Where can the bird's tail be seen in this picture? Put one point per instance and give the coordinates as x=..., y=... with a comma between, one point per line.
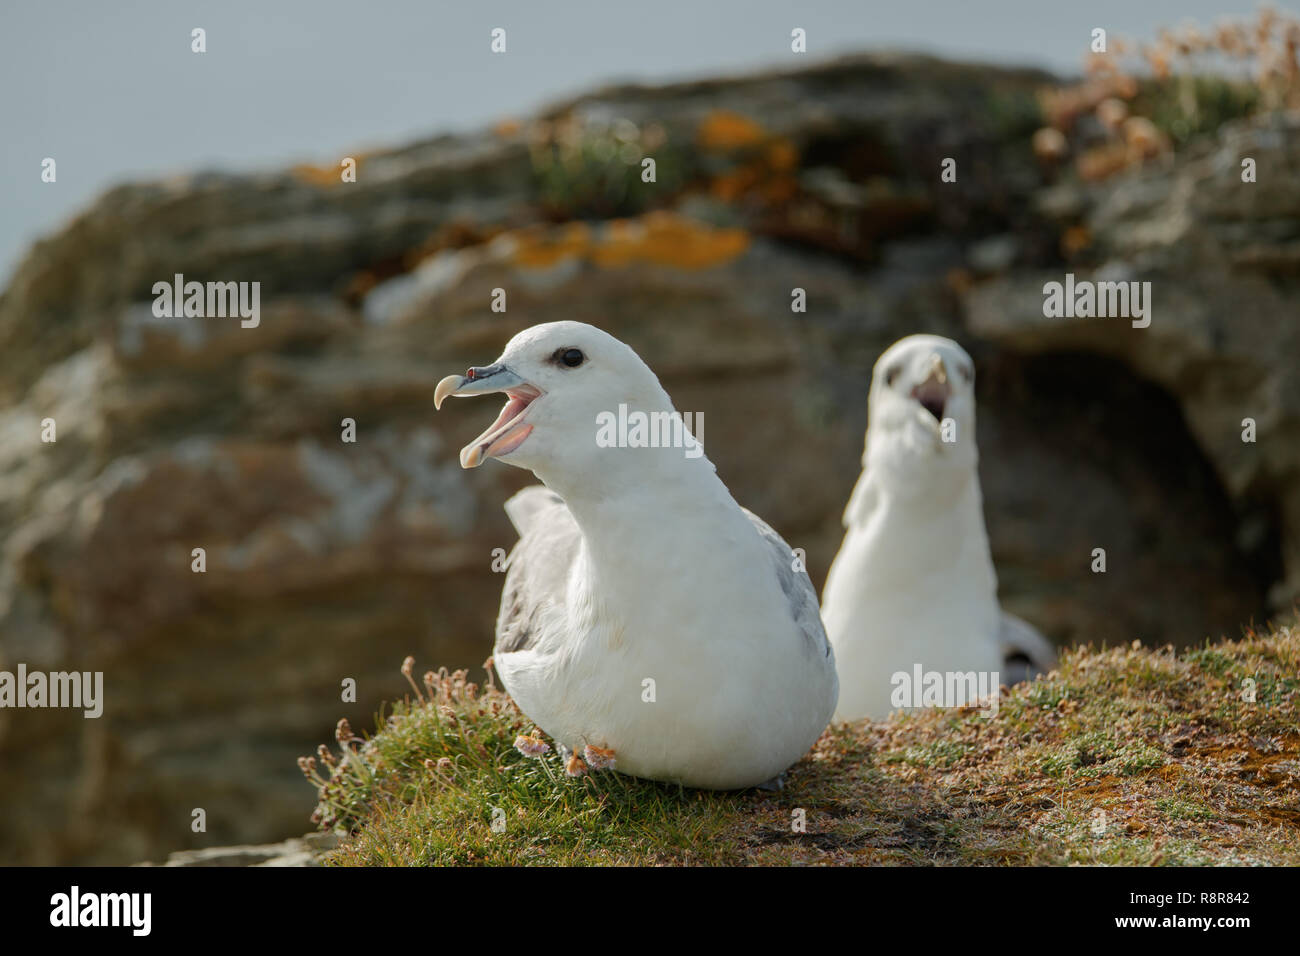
x=1026, y=653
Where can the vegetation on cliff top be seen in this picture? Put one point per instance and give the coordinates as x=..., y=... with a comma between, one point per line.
x=1121, y=756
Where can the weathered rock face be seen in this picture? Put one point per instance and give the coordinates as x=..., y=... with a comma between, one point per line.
x=1223, y=260
x=328, y=560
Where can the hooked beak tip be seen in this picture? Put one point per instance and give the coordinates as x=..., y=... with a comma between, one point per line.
x=447, y=386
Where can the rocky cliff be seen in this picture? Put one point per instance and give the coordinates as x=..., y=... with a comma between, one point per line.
x=328, y=559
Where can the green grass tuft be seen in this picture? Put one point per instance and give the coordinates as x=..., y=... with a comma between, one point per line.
x=1123, y=756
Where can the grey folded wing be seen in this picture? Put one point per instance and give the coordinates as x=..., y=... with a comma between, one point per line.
x=537, y=570
x=797, y=587
x=1026, y=654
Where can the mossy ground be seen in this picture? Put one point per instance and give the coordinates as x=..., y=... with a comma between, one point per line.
x=1121, y=756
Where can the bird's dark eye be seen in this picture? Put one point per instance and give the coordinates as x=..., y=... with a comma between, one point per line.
x=570, y=357
x=967, y=373
x=891, y=375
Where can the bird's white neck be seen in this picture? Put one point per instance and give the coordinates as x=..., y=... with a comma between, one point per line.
x=640, y=524
x=910, y=535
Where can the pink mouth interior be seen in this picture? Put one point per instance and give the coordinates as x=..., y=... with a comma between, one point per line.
x=933, y=397
x=505, y=434
x=514, y=408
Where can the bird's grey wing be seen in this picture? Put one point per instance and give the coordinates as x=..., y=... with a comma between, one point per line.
x=796, y=585
x=530, y=505
x=537, y=570
x=1025, y=653
x=862, y=501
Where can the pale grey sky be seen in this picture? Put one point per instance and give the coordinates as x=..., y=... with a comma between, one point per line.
x=112, y=92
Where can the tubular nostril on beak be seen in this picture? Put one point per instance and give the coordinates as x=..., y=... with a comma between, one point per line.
x=938, y=371
x=476, y=373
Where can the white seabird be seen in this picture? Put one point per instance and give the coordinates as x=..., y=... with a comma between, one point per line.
x=913, y=582
x=644, y=611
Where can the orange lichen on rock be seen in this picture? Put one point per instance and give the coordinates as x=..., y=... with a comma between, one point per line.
x=731, y=185
x=538, y=247
x=724, y=130
x=315, y=175
x=456, y=234
x=670, y=240
x=323, y=175
x=765, y=164
x=782, y=156
x=657, y=238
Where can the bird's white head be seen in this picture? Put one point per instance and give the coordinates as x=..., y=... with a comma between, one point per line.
x=921, y=413
x=563, y=380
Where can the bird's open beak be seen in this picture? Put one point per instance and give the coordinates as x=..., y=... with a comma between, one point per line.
x=506, y=433
x=934, y=392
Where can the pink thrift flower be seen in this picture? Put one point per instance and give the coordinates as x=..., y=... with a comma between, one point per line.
x=598, y=758
x=531, y=746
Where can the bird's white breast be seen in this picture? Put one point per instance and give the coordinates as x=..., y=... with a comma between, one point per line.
x=910, y=587
x=685, y=662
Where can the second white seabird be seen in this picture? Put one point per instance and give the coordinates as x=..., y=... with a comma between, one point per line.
x=913, y=583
